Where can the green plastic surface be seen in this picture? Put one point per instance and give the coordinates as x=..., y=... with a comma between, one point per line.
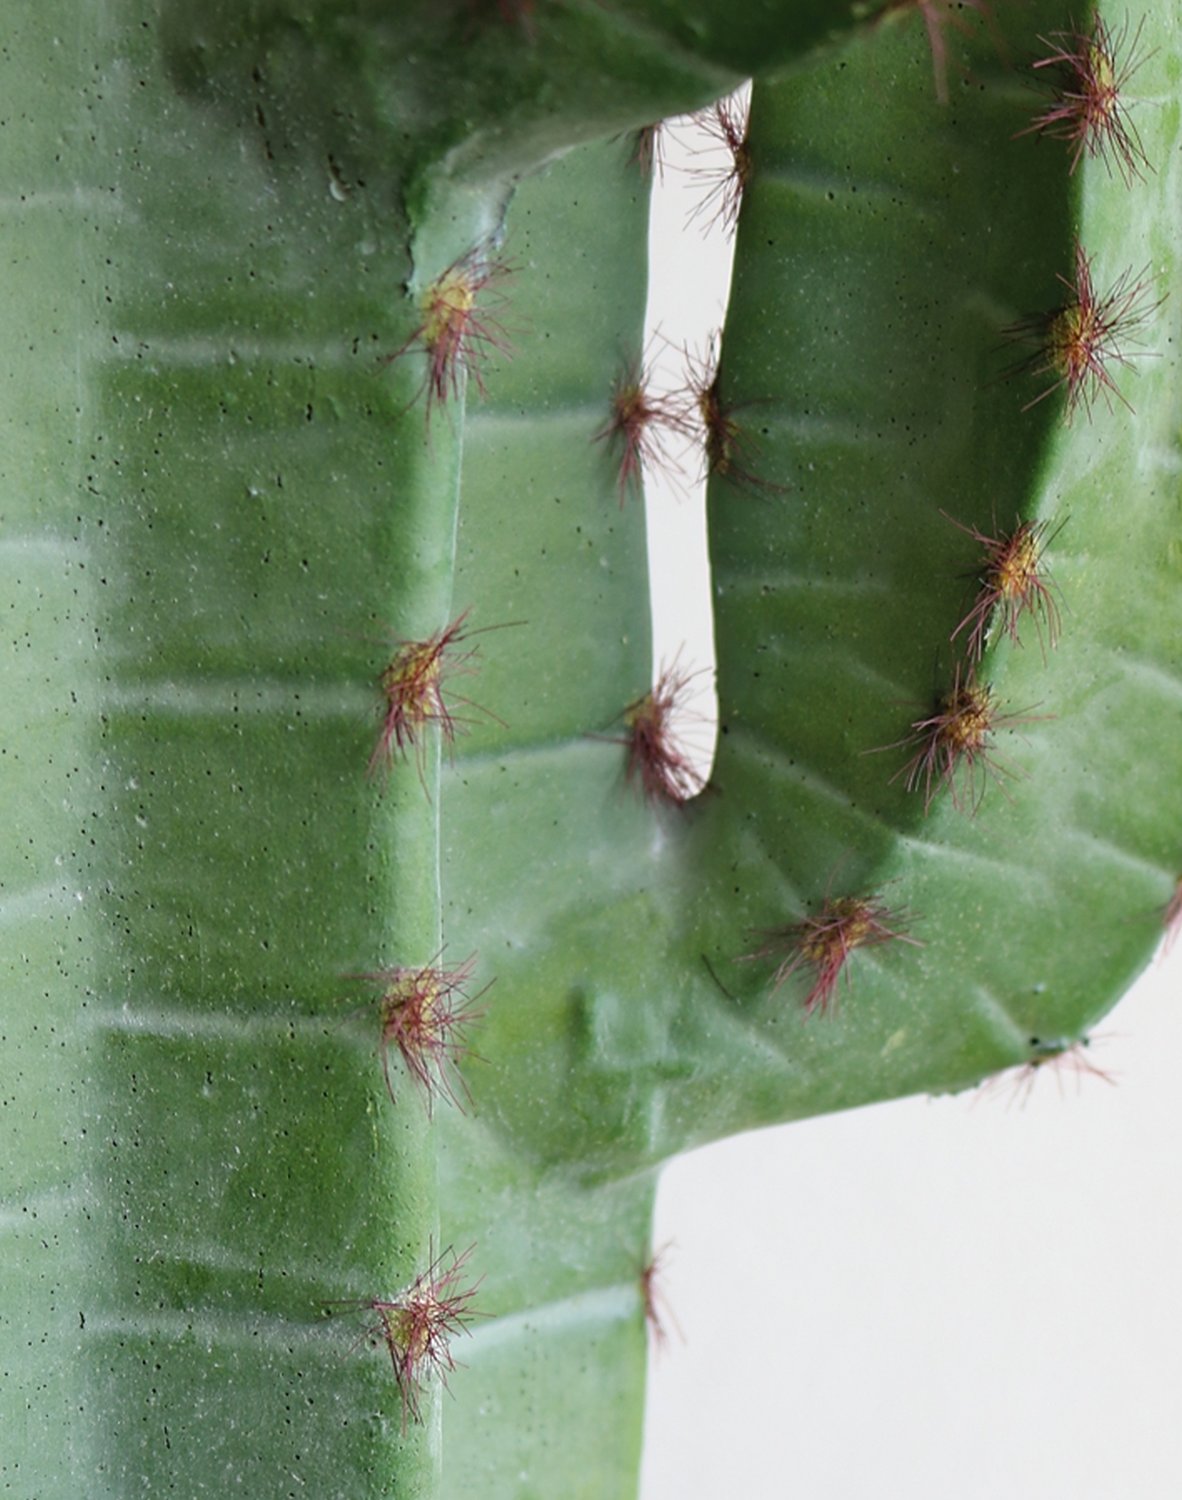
x=223, y=508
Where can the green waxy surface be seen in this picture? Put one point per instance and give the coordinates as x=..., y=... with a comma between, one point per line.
x=223, y=511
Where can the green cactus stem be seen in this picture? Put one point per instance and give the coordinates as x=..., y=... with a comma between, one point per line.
x=356, y=990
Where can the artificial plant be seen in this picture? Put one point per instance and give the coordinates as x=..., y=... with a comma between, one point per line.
x=355, y=990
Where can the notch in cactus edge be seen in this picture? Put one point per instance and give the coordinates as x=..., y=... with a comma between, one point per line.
x=1012, y=583
x=424, y=1013
x=1079, y=341
x=955, y=745
x=824, y=944
x=460, y=326
x=1087, y=73
x=418, y=1325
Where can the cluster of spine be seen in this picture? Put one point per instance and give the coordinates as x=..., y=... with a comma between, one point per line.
x=658, y=1314
x=659, y=763
x=823, y=943
x=1079, y=342
x=1059, y=1057
x=1076, y=347
x=698, y=408
x=422, y=1014
x=416, y=1327
x=460, y=327
x=952, y=744
x=644, y=423
x=424, y=1011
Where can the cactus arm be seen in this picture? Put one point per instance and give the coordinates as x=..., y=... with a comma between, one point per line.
x=560, y=1360
x=803, y=799
x=610, y=995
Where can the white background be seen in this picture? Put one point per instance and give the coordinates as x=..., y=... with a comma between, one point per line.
x=944, y=1299
x=970, y=1298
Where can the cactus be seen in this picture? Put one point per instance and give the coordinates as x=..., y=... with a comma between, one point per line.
x=357, y=990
